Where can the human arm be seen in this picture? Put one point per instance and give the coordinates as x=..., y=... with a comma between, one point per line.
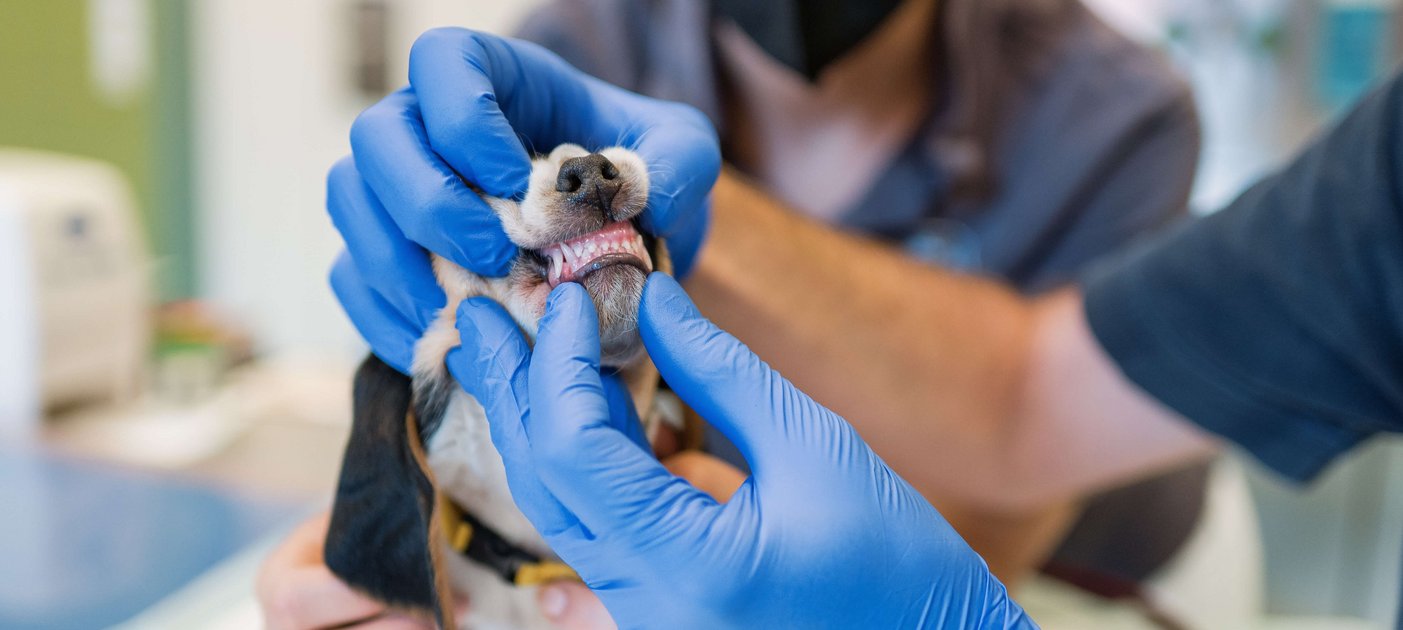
x=1273, y=323
x=976, y=394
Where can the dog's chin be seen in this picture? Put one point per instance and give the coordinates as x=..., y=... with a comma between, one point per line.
x=616, y=291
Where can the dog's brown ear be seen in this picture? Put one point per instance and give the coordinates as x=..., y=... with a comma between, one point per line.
x=662, y=259
x=384, y=538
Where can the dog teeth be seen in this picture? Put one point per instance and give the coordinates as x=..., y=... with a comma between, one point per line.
x=567, y=259
x=559, y=261
x=557, y=265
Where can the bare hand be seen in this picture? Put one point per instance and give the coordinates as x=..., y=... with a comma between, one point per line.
x=297, y=592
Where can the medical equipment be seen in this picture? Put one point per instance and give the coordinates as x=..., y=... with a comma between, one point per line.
x=74, y=291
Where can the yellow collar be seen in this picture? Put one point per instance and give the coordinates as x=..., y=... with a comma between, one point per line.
x=471, y=537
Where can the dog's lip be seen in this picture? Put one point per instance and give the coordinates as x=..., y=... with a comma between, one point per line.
x=616, y=243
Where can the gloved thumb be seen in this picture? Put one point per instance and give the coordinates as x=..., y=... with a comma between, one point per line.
x=491, y=365
x=720, y=377
x=612, y=484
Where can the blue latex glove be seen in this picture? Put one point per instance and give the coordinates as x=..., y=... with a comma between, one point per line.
x=473, y=99
x=822, y=534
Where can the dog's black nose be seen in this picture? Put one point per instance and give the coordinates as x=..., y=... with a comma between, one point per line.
x=584, y=173
x=592, y=178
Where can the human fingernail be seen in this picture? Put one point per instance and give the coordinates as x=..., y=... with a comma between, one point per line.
x=553, y=601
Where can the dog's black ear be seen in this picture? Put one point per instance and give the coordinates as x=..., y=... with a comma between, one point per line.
x=384, y=537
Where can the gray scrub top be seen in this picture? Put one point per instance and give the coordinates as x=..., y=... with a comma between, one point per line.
x=1100, y=147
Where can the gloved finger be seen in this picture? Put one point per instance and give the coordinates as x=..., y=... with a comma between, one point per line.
x=723, y=380
x=491, y=365
x=480, y=93
x=613, y=485
x=688, y=234
x=428, y=201
x=390, y=335
x=375, y=242
x=683, y=164
x=622, y=412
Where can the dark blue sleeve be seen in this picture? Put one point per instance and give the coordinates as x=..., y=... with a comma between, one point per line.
x=1277, y=322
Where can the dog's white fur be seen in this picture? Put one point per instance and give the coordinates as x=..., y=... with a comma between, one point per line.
x=460, y=453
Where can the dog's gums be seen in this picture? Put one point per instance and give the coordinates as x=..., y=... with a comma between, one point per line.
x=617, y=243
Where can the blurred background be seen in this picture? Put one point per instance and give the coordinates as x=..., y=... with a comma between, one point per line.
x=175, y=391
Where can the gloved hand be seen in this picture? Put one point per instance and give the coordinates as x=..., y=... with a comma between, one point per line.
x=823, y=533
x=473, y=98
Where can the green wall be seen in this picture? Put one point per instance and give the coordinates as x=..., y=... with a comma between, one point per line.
x=47, y=102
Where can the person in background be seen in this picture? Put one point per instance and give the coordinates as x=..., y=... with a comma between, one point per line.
x=1020, y=139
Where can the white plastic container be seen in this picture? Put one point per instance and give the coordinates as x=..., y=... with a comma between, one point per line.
x=75, y=297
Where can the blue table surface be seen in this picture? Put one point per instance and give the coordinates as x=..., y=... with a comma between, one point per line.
x=87, y=545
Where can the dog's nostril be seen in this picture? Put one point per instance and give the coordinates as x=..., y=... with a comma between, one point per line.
x=584, y=172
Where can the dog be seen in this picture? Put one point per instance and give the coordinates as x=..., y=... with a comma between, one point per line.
x=422, y=508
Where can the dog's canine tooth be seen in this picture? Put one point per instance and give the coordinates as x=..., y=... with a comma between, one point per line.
x=557, y=266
